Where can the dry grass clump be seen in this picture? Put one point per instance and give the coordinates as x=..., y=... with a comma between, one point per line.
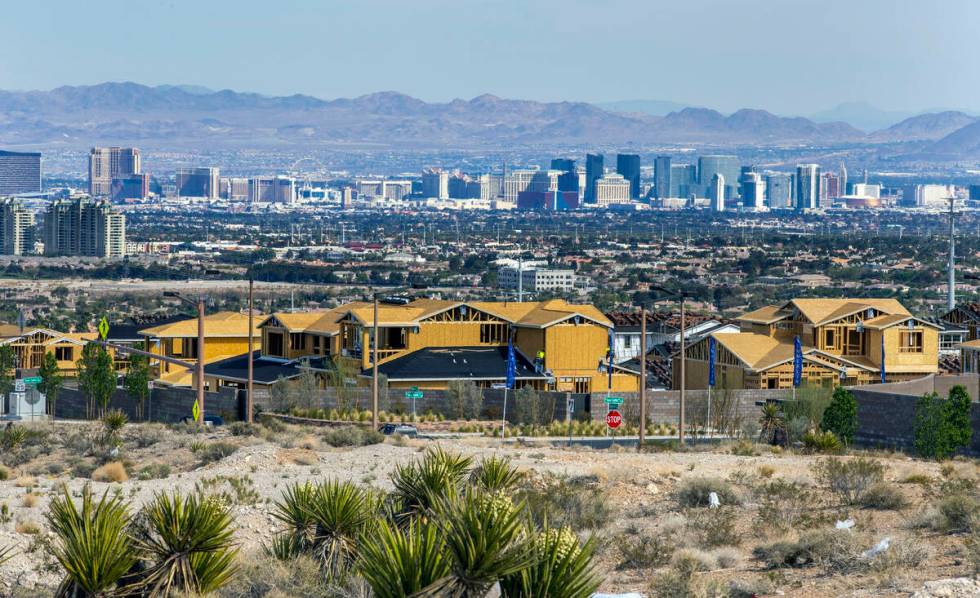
x=30, y=500
x=714, y=527
x=883, y=497
x=262, y=575
x=114, y=471
x=834, y=549
x=639, y=550
x=28, y=527
x=309, y=442
x=695, y=492
x=849, y=479
x=784, y=505
x=25, y=482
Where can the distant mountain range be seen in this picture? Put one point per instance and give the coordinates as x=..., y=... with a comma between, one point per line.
x=176, y=116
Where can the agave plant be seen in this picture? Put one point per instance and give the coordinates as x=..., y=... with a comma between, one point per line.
x=293, y=511
x=402, y=562
x=421, y=485
x=495, y=474
x=341, y=512
x=188, y=541
x=562, y=568
x=485, y=541
x=92, y=546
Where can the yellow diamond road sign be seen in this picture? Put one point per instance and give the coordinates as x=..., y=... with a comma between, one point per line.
x=196, y=411
x=103, y=328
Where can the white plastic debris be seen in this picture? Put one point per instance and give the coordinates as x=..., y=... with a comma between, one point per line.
x=879, y=548
x=846, y=524
x=713, y=501
x=114, y=452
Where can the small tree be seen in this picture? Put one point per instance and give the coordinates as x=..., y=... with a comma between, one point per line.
x=526, y=405
x=931, y=435
x=840, y=417
x=279, y=394
x=305, y=390
x=465, y=399
x=51, y=381
x=7, y=365
x=958, y=417
x=138, y=382
x=96, y=377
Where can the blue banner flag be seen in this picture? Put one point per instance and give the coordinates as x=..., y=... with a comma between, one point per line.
x=882, y=358
x=711, y=360
x=511, y=365
x=610, y=368
x=797, y=361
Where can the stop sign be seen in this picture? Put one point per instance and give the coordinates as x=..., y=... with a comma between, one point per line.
x=614, y=418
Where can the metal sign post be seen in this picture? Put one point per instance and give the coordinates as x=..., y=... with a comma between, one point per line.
x=414, y=394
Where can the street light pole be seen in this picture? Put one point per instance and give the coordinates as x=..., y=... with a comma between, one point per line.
x=680, y=428
x=248, y=399
x=200, y=355
x=643, y=377
x=374, y=368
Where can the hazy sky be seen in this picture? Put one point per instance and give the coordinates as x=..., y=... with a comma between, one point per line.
x=788, y=56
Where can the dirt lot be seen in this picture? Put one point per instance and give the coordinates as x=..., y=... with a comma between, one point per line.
x=634, y=510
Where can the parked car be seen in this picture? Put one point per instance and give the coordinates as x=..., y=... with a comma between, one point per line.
x=403, y=429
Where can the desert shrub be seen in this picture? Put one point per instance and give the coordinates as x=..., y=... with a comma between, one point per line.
x=883, y=496
x=579, y=503
x=784, y=504
x=903, y=554
x=528, y=409
x=680, y=581
x=232, y=490
x=113, y=422
x=465, y=399
x=27, y=527
x=942, y=426
x=835, y=549
x=213, y=451
x=241, y=428
x=745, y=448
x=4, y=473
x=796, y=428
x=352, y=436
x=849, y=479
x=113, y=471
x=149, y=434
x=826, y=443
x=639, y=550
x=973, y=548
x=714, y=527
x=958, y=512
x=153, y=471
x=82, y=468
x=12, y=437
x=695, y=492
x=840, y=417
x=917, y=478
x=29, y=500
x=263, y=576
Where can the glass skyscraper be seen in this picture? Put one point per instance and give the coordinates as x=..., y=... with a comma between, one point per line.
x=726, y=166
x=628, y=165
x=568, y=179
x=593, y=172
x=20, y=172
x=661, y=177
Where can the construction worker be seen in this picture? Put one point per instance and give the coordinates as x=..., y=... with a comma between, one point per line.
x=539, y=361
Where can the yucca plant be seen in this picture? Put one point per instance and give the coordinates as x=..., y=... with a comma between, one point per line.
x=485, y=542
x=112, y=424
x=92, y=546
x=6, y=554
x=341, y=512
x=561, y=568
x=402, y=562
x=495, y=474
x=299, y=526
x=188, y=542
x=770, y=422
x=421, y=485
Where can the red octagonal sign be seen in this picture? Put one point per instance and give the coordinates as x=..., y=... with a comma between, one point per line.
x=614, y=418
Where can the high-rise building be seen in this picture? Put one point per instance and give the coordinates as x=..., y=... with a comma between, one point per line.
x=661, y=177
x=130, y=186
x=108, y=163
x=435, y=183
x=866, y=189
x=842, y=180
x=346, y=198
x=780, y=191
x=82, y=226
x=198, y=182
x=568, y=179
x=926, y=196
x=593, y=171
x=753, y=190
x=717, y=192
x=628, y=165
x=683, y=180
x=16, y=228
x=519, y=181
x=272, y=189
x=807, y=186
x=612, y=189
x=233, y=188
x=20, y=172
x=727, y=166
x=829, y=188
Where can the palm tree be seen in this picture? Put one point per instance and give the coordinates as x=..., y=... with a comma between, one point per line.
x=562, y=568
x=92, y=544
x=421, y=485
x=398, y=563
x=189, y=543
x=485, y=541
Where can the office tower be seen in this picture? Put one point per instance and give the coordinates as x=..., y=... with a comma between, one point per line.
x=108, y=163
x=842, y=180
x=130, y=186
x=753, y=190
x=198, y=182
x=628, y=165
x=727, y=166
x=16, y=228
x=866, y=190
x=717, y=192
x=435, y=183
x=272, y=189
x=233, y=188
x=807, y=186
x=683, y=180
x=568, y=179
x=923, y=196
x=829, y=188
x=593, y=171
x=519, y=181
x=82, y=226
x=779, y=190
x=346, y=198
x=612, y=189
x=20, y=172
x=661, y=177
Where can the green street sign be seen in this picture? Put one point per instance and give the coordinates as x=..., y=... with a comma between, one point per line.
x=413, y=394
x=35, y=380
x=613, y=400
x=103, y=328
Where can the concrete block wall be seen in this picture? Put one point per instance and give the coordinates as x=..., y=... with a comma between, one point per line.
x=166, y=405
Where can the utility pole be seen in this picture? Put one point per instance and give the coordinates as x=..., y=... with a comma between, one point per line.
x=374, y=367
x=200, y=355
x=248, y=400
x=643, y=377
x=951, y=298
x=680, y=427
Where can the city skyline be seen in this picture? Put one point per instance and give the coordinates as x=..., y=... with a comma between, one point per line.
x=710, y=45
